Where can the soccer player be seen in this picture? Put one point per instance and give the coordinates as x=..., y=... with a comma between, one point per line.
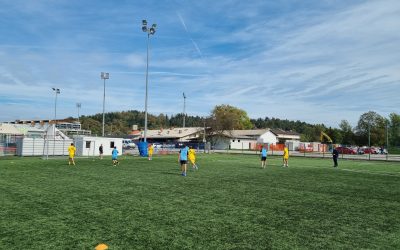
x=285, y=157
x=192, y=157
x=71, y=151
x=114, y=157
x=150, y=152
x=264, y=153
x=335, y=155
x=101, y=151
x=182, y=158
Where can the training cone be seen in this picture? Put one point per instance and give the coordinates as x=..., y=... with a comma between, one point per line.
x=101, y=246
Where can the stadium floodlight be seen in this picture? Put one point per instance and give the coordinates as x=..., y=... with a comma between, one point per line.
x=104, y=76
x=184, y=108
x=56, y=91
x=78, y=105
x=153, y=29
x=149, y=31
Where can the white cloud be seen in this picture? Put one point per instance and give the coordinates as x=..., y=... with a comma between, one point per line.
x=317, y=65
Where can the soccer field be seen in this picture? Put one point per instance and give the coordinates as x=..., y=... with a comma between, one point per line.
x=230, y=202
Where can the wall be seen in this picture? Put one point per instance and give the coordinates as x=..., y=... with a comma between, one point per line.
x=42, y=147
x=244, y=144
x=89, y=146
x=268, y=137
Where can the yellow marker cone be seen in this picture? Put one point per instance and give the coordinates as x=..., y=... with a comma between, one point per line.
x=101, y=246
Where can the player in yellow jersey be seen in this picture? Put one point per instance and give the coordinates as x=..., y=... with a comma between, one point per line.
x=285, y=157
x=150, y=152
x=192, y=157
x=71, y=151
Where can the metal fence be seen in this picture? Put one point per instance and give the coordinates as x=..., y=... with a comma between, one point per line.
x=318, y=151
x=8, y=144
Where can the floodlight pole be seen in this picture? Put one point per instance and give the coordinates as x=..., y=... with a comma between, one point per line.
x=149, y=31
x=387, y=139
x=104, y=76
x=369, y=140
x=184, y=108
x=78, y=105
x=204, y=134
x=57, y=91
x=147, y=83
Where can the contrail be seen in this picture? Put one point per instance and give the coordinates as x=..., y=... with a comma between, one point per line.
x=187, y=32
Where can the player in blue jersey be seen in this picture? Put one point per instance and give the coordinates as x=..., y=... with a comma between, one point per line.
x=183, y=158
x=114, y=156
x=264, y=152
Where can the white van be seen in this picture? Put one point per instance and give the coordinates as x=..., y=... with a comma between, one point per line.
x=128, y=143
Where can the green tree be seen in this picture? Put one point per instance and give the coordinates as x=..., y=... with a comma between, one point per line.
x=373, y=124
x=394, y=129
x=347, y=134
x=227, y=118
x=335, y=134
x=91, y=124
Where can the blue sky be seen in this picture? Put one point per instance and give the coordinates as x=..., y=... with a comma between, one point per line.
x=316, y=61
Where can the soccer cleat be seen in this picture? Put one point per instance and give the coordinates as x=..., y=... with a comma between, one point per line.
x=183, y=174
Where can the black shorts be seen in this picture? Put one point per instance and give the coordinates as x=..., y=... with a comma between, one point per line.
x=264, y=158
x=183, y=162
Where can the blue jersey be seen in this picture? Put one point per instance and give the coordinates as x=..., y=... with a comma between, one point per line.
x=183, y=154
x=114, y=153
x=264, y=152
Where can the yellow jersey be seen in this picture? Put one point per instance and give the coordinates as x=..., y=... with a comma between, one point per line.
x=151, y=148
x=286, y=153
x=71, y=151
x=192, y=154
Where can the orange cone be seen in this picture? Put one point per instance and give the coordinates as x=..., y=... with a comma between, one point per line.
x=101, y=246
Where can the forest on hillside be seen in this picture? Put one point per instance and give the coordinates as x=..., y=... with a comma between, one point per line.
x=370, y=125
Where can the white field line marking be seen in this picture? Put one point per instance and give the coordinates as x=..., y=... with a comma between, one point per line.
x=362, y=171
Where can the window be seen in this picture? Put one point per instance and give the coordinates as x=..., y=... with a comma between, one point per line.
x=88, y=144
x=112, y=144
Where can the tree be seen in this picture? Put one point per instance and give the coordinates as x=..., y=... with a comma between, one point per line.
x=335, y=134
x=394, y=129
x=91, y=124
x=347, y=134
x=227, y=118
x=373, y=124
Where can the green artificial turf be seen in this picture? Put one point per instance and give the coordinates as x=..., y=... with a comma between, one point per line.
x=229, y=203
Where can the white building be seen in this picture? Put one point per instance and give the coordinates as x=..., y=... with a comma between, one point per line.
x=9, y=129
x=70, y=128
x=175, y=134
x=35, y=142
x=249, y=139
x=268, y=138
x=245, y=139
x=89, y=145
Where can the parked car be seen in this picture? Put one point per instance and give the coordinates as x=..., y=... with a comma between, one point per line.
x=371, y=150
x=128, y=143
x=346, y=150
x=360, y=151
